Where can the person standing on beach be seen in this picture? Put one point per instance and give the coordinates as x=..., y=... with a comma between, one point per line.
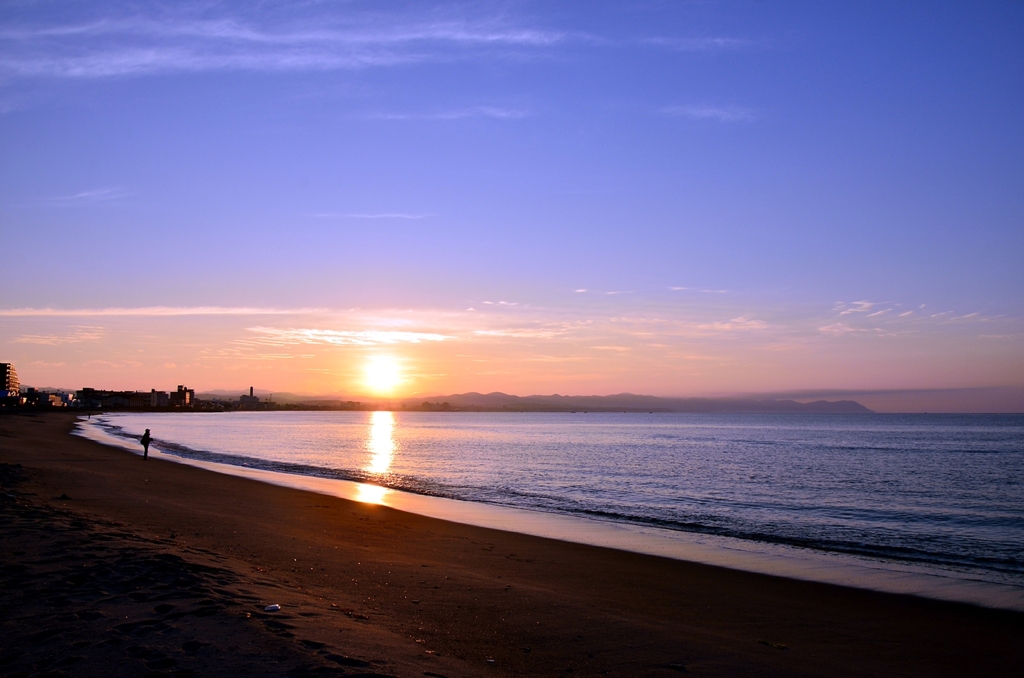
x=145, y=444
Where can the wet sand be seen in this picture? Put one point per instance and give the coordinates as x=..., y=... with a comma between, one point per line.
x=113, y=565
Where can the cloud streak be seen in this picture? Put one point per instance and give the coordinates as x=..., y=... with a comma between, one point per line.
x=696, y=44
x=77, y=335
x=740, y=324
x=93, y=195
x=458, y=114
x=368, y=215
x=123, y=39
x=290, y=336
x=711, y=113
x=237, y=31
x=855, y=307
x=520, y=333
x=150, y=311
x=181, y=42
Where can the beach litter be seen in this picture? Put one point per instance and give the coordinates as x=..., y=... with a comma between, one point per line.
x=777, y=646
x=272, y=608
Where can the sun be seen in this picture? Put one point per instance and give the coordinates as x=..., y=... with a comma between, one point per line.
x=382, y=374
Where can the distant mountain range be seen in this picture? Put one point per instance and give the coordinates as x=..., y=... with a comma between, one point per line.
x=500, y=402
x=627, y=402
x=620, y=402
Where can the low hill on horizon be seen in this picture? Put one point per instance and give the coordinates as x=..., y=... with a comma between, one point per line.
x=618, y=402
x=630, y=402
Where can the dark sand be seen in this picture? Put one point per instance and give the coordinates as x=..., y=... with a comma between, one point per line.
x=156, y=568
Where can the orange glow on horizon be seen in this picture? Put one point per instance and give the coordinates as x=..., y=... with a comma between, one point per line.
x=700, y=351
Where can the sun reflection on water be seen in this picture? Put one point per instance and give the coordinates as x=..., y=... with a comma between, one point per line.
x=380, y=442
x=371, y=494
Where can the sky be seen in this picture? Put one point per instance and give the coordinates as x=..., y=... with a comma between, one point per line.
x=667, y=198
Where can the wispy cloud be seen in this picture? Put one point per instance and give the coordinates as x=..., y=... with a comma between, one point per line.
x=75, y=335
x=93, y=195
x=46, y=364
x=290, y=336
x=854, y=307
x=458, y=114
x=696, y=44
x=162, y=40
x=149, y=311
x=734, y=325
x=840, y=329
x=368, y=215
x=713, y=113
x=885, y=319
x=698, y=289
x=520, y=333
x=115, y=364
x=119, y=39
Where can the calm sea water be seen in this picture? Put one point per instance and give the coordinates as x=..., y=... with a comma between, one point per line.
x=940, y=490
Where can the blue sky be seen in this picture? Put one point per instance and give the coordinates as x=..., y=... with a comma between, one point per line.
x=753, y=169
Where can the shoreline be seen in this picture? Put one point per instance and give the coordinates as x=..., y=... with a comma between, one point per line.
x=873, y=574
x=434, y=597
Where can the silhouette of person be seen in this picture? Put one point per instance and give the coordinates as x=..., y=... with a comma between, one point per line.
x=145, y=444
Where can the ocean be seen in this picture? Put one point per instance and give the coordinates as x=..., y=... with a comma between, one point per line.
x=926, y=493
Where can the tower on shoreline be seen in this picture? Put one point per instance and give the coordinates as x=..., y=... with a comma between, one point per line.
x=251, y=400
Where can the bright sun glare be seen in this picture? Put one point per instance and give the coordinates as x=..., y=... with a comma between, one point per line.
x=383, y=374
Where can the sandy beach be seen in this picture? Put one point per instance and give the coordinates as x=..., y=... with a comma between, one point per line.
x=116, y=566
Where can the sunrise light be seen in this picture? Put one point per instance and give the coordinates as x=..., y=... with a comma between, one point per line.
x=655, y=336
x=382, y=374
